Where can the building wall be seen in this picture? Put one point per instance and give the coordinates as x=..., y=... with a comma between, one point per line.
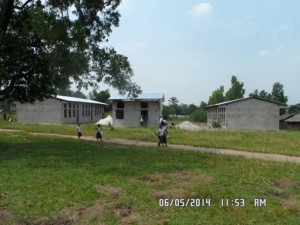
x=77, y=112
x=55, y=111
x=132, y=113
x=48, y=111
x=250, y=114
x=293, y=126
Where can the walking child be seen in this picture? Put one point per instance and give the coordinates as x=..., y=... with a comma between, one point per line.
x=78, y=129
x=99, y=133
x=162, y=136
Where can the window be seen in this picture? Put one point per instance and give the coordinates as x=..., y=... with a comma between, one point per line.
x=65, y=110
x=221, y=114
x=119, y=114
x=144, y=105
x=120, y=105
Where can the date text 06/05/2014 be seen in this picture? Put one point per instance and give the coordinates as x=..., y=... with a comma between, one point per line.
x=201, y=202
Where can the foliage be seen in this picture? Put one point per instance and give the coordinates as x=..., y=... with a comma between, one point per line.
x=102, y=96
x=167, y=111
x=294, y=109
x=46, y=44
x=236, y=91
x=217, y=96
x=277, y=94
x=173, y=101
x=200, y=114
x=261, y=94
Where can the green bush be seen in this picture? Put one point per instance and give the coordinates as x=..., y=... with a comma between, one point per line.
x=199, y=115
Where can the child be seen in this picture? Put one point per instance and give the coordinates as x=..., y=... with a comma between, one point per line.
x=161, y=135
x=99, y=133
x=78, y=129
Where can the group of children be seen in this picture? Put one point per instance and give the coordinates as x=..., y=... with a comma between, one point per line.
x=162, y=133
x=99, y=132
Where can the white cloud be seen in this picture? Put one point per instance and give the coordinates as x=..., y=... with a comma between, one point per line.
x=263, y=53
x=201, y=9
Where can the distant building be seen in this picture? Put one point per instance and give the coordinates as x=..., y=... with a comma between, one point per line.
x=252, y=113
x=282, y=120
x=128, y=111
x=60, y=110
x=293, y=123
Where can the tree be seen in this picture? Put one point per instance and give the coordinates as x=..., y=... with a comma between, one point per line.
x=102, y=96
x=254, y=93
x=173, y=101
x=217, y=96
x=261, y=94
x=265, y=95
x=294, y=109
x=191, y=109
x=44, y=45
x=167, y=111
x=200, y=114
x=236, y=91
x=278, y=93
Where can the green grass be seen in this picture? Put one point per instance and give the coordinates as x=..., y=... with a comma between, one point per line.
x=279, y=142
x=41, y=176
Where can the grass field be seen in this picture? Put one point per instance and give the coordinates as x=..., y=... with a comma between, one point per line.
x=280, y=142
x=55, y=179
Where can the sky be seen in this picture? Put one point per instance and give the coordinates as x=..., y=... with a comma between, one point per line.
x=188, y=48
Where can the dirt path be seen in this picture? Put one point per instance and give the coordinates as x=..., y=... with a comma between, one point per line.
x=254, y=155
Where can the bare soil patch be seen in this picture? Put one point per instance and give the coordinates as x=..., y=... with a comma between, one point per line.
x=285, y=183
x=136, y=218
x=289, y=200
x=5, y=216
x=108, y=190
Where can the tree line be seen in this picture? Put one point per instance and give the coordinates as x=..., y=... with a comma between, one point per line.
x=236, y=91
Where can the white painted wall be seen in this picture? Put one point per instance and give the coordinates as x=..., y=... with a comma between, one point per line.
x=132, y=113
x=52, y=111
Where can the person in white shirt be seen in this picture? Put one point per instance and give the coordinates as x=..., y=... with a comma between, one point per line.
x=78, y=129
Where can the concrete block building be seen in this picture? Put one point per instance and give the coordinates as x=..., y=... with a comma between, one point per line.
x=128, y=111
x=252, y=113
x=60, y=110
x=293, y=123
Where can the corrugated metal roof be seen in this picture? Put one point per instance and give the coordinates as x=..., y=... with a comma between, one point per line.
x=73, y=99
x=243, y=99
x=294, y=119
x=142, y=96
x=286, y=116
